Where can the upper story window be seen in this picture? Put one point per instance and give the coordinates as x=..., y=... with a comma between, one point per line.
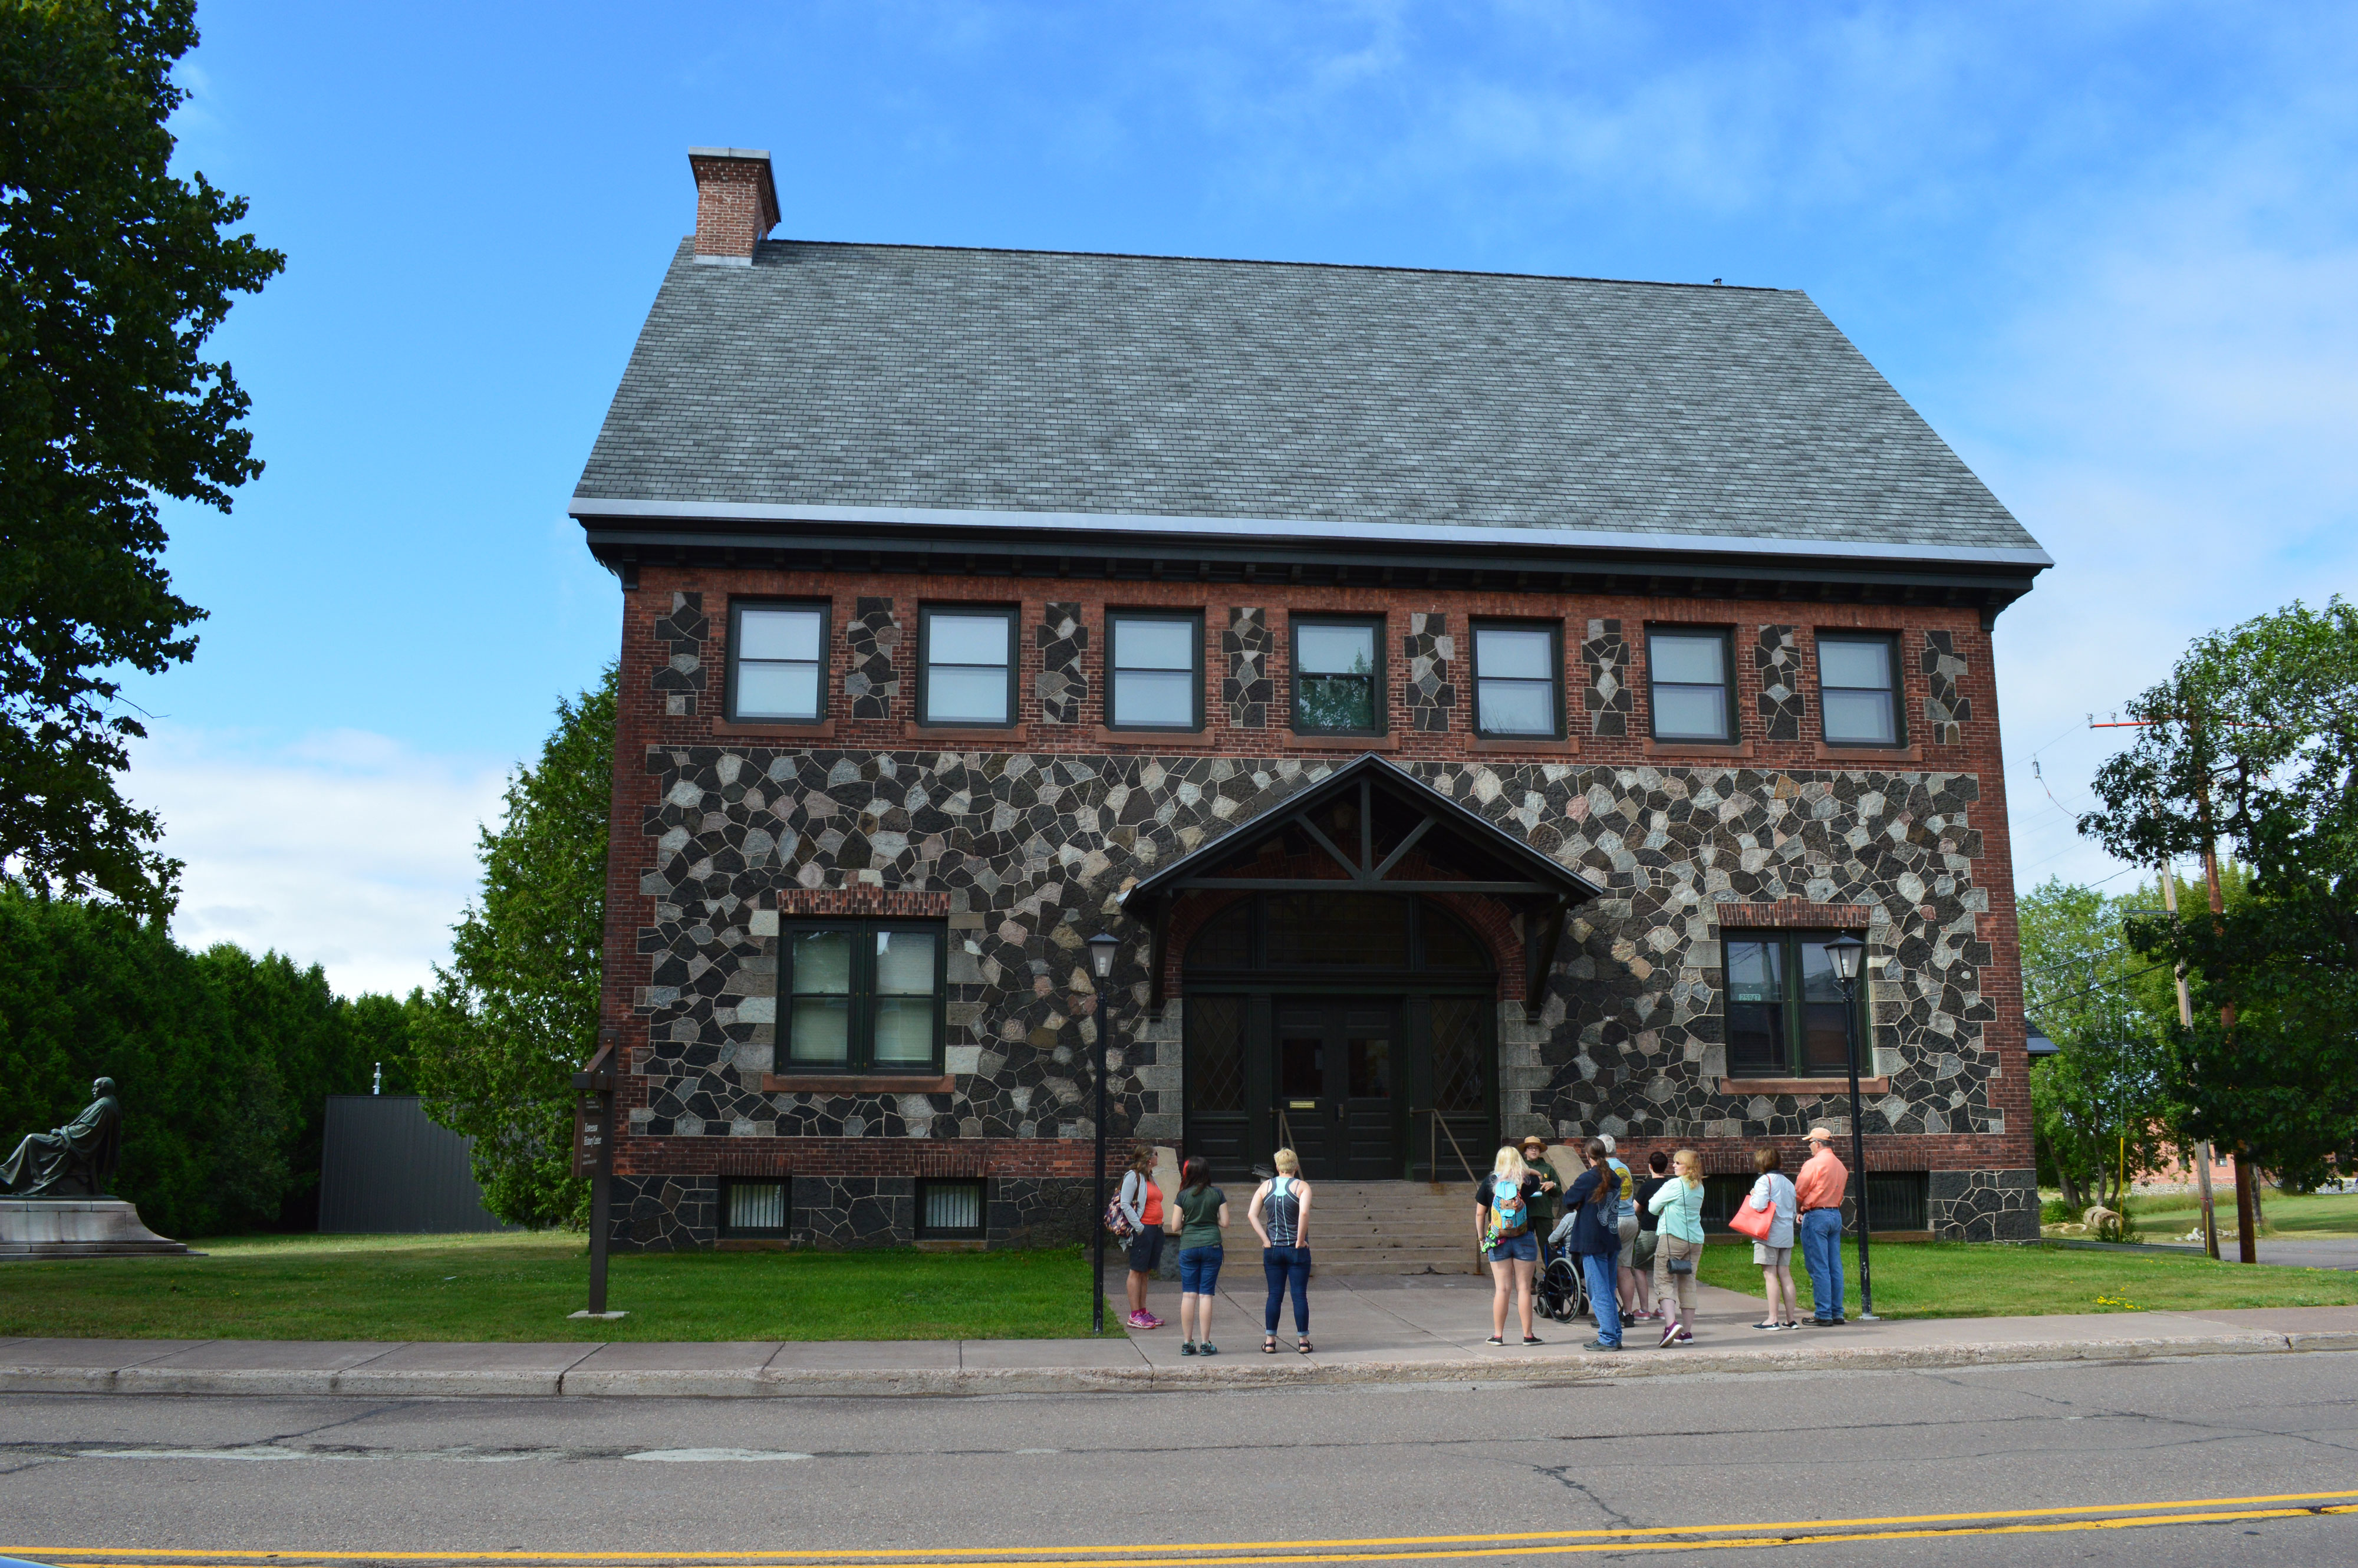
x=1157, y=664
x=1692, y=684
x=1517, y=679
x=864, y=996
x=1785, y=1009
x=1338, y=675
x=1858, y=689
x=967, y=665
x=777, y=662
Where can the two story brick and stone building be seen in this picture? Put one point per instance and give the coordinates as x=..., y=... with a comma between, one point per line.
x=1471, y=700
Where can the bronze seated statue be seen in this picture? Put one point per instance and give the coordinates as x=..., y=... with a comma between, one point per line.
x=77, y=1160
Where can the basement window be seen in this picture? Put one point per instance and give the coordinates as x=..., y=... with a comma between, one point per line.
x=949, y=1210
x=752, y=1208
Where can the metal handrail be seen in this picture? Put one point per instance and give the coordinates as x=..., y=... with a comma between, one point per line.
x=1441, y=1127
x=1284, y=1130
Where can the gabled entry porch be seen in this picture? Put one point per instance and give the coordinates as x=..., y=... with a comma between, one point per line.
x=1343, y=956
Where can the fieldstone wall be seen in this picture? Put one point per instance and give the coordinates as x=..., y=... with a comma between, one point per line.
x=1029, y=850
x=1429, y=692
x=664, y=1213
x=873, y=680
x=843, y=1213
x=1061, y=686
x=1779, y=661
x=1605, y=693
x=1247, y=689
x=1946, y=711
x=679, y=673
x=1984, y=1205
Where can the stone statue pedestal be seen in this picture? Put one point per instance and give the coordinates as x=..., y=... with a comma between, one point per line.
x=34, y=1230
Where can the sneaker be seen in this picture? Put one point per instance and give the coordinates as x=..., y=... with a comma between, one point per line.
x=1152, y=1321
x=1685, y=1337
x=1188, y=1348
x=1143, y=1320
x=1669, y=1334
x=1599, y=1344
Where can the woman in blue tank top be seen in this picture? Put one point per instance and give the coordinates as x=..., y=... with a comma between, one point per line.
x=1279, y=1214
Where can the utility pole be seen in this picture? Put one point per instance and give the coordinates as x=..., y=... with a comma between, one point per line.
x=2186, y=1021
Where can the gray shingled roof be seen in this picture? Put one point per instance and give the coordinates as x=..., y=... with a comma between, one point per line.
x=892, y=376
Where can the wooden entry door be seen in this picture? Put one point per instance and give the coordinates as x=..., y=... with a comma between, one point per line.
x=1339, y=1065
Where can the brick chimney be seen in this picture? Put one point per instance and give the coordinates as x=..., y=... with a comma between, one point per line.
x=736, y=203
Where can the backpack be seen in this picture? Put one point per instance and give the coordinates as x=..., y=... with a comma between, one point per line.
x=1508, y=1215
x=1117, y=1219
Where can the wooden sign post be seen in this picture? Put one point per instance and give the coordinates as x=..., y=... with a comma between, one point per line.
x=593, y=1156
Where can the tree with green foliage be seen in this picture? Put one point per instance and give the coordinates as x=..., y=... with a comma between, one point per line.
x=2252, y=741
x=2098, y=1103
x=223, y=1060
x=116, y=272
x=516, y=1014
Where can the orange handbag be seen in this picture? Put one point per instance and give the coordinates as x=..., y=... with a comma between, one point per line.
x=1757, y=1223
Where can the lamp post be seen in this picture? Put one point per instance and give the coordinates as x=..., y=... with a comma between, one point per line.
x=1102, y=948
x=1845, y=952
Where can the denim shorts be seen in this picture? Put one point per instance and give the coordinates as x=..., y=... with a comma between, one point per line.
x=1199, y=1269
x=1146, y=1250
x=1523, y=1248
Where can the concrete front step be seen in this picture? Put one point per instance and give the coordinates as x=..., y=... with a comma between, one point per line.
x=1437, y=1261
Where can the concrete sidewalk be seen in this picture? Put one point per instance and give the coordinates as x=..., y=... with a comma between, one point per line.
x=1425, y=1329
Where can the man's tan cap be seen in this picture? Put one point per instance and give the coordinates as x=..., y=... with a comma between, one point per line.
x=1816, y=1133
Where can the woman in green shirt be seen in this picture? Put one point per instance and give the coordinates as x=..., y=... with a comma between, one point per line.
x=1203, y=1214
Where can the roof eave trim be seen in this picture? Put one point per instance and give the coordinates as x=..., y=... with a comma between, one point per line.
x=1280, y=530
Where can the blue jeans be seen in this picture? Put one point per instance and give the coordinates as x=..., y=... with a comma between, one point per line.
x=1822, y=1252
x=1282, y=1266
x=1602, y=1268
x=1199, y=1269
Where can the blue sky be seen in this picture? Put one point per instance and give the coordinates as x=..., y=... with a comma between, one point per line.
x=2111, y=252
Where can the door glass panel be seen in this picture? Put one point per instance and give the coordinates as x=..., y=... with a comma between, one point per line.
x=1371, y=1069
x=1216, y=1060
x=1301, y=1066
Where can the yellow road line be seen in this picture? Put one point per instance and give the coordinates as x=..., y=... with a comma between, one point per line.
x=1722, y=1543
x=2121, y=1515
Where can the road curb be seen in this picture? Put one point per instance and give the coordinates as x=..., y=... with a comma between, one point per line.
x=889, y=1383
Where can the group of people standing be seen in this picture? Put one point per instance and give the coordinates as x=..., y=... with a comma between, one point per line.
x=1616, y=1227
x=1636, y=1240
x=1278, y=1212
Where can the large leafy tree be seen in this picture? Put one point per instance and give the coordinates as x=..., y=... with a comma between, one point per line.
x=495, y=1048
x=113, y=274
x=2253, y=744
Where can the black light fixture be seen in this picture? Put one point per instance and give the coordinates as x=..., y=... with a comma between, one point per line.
x=1102, y=948
x=1846, y=953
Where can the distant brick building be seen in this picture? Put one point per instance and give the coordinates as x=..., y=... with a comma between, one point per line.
x=1471, y=699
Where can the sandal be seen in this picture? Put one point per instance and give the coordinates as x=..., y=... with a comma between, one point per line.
x=1302, y=1348
x=1269, y=1345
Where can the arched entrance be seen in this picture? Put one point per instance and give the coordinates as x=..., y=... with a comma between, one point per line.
x=1342, y=1024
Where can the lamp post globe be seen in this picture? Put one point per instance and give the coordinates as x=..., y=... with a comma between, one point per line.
x=1102, y=948
x=1846, y=953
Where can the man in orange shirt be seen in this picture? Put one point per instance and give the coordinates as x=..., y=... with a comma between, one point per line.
x=1818, y=1194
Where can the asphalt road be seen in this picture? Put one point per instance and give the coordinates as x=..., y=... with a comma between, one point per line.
x=1166, y=1479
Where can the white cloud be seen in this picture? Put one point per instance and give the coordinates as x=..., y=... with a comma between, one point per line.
x=344, y=849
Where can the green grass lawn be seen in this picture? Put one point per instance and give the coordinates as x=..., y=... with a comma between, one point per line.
x=1954, y=1279
x=2171, y=1214
x=518, y=1286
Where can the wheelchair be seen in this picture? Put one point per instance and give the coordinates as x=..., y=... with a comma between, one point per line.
x=1560, y=1291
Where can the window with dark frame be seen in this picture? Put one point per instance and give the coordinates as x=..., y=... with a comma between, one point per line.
x=949, y=1209
x=864, y=996
x=1338, y=675
x=1858, y=689
x=753, y=1207
x=967, y=665
x=1519, y=679
x=1156, y=660
x=1785, y=1008
x=777, y=663
x=1692, y=684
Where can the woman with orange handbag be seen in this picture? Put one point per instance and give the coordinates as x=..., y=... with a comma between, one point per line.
x=1772, y=1200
